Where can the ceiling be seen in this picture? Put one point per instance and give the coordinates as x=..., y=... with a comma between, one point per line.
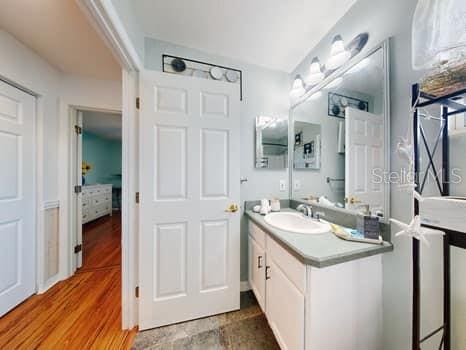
x=276, y=34
x=60, y=33
x=105, y=125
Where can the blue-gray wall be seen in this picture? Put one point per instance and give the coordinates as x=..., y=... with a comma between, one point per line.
x=383, y=19
x=105, y=158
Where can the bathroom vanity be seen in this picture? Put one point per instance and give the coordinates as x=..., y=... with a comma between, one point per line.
x=317, y=291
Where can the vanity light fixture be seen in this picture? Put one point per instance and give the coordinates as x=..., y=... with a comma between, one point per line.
x=338, y=54
x=315, y=72
x=298, y=88
x=334, y=83
x=315, y=95
x=360, y=66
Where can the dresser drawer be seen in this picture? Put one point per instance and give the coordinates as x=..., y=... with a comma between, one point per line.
x=102, y=207
x=86, y=202
x=99, y=199
x=85, y=215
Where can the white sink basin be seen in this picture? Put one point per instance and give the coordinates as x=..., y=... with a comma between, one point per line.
x=296, y=222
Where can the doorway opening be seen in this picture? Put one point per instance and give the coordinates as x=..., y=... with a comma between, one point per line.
x=98, y=170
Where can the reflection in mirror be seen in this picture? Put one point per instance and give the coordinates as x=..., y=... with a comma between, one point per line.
x=271, y=142
x=306, y=153
x=351, y=116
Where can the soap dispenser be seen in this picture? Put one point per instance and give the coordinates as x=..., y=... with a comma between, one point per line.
x=265, y=206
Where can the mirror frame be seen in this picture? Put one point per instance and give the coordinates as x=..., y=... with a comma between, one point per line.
x=385, y=47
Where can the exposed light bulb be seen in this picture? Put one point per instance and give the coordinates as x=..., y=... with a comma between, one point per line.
x=297, y=90
x=338, y=54
x=315, y=72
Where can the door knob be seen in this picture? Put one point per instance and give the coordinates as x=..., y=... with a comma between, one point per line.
x=232, y=208
x=352, y=200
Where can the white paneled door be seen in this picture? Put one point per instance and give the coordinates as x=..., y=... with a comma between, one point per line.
x=189, y=187
x=17, y=229
x=365, y=150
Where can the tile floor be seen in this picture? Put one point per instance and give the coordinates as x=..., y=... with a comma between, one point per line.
x=243, y=329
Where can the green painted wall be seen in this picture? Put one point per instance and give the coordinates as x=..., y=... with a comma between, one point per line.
x=105, y=157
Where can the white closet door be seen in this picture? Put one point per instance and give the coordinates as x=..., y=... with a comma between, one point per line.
x=364, y=160
x=17, y=228
x=189, y=175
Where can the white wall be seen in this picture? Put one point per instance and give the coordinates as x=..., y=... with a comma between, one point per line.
x=125, y=12
x=87, y=92
x=23, y=67
x=265, y=92
x=20, y=65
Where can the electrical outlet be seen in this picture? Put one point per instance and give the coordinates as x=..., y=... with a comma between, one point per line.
x=282, y=185
x=297, y=185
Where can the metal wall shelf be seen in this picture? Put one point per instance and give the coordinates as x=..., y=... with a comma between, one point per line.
x=449, y=106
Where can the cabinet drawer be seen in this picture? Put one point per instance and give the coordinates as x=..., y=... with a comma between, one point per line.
x=85, y=203
x=292, y=267
x=257, y=234
x=102, y=207
x=101, y=198
x=85, y=216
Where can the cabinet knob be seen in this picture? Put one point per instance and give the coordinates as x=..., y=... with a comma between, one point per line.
x=259, y=265
x=267, y=277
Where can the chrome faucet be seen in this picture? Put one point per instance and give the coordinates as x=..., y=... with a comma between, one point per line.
x=307, y=210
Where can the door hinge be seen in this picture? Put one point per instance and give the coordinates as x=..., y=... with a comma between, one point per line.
x=78, y=189
x=138, y=102
x=137, y=197
x=78, y=129
x=78, y=248
x=136, y=292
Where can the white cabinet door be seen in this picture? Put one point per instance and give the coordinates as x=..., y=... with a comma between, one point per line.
x=189, y=175
x=285, y=308
x=17, y=225
x=257, y=271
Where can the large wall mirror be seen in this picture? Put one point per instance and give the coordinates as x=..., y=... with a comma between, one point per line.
x=271, y=142
x=341, y=136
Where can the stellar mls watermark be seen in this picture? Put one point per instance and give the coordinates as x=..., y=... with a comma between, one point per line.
x=406, y=177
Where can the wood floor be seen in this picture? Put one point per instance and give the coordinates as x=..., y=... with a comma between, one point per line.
x=83, y=312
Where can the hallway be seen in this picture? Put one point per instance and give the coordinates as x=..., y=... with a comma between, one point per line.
x=83, y=312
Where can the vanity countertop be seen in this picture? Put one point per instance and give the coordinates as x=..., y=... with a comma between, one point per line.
x=319, y=250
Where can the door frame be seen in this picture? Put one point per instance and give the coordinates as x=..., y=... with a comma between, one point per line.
x=104, y=17
x=74, y=172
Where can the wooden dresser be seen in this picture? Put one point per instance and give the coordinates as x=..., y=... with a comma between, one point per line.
x=97, y=201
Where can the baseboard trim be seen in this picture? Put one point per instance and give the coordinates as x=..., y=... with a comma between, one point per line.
x=244, y=286
x=42, y=288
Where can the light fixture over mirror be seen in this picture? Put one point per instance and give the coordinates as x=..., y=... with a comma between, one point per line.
x=339, y=55
x=315, y=72
x=319, y=73
x=297, y=90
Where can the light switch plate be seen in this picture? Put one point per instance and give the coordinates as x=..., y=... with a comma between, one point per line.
x=282, y=185
x=297, y=185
